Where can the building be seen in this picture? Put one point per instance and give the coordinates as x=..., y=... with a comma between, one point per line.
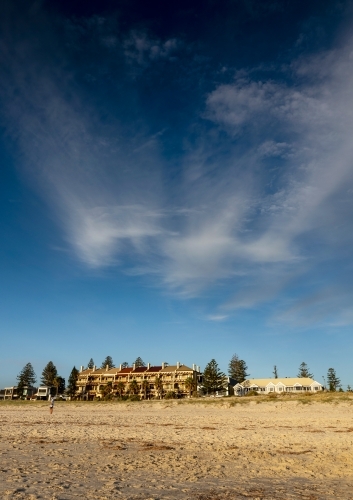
x=10, y=392
x=151, y=381
x=45, y=392
x=278, y=385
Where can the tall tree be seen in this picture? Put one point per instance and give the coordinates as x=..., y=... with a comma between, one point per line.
x=120, y=387
x=145, y=387
x=108, y=361
x=190, y=385
x=332, y=379
x=125, y=364
x=26, y=377
x=59, y=383
x=237, y=369
x=275, y=372
x=72, y=383
x=213, y=378
x=304, y=371
x=49, y=374
x=90, y=364
x=139, y=362
x=133, y=387
x=158, y=384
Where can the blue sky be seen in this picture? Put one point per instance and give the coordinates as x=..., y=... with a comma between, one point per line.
x=176, y=184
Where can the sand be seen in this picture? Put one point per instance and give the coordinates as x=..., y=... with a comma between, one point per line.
x=277, y=449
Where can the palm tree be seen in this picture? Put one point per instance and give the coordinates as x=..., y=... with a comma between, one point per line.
x=106, y=389
x=158, y=386
x=120, y=387
x=190, y=385
x=133, y=387
x=145, y=387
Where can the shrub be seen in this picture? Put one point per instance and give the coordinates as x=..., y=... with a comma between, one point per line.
x=134, y=397
x=272, y=395
x=251, y=393
x=170, y=395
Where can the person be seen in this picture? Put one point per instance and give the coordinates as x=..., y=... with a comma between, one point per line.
x=51, y=406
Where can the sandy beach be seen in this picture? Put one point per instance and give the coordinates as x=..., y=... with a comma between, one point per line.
x=222, y=449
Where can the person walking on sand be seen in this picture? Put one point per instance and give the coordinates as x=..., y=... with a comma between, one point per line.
x=51, y=406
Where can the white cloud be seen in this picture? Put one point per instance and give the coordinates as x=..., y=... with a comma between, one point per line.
x=230, y=218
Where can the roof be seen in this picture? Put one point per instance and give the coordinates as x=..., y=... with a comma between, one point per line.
x=173, y=368
x=125, y=370
x=140, y=369
x=262, y=382
x=154, y=369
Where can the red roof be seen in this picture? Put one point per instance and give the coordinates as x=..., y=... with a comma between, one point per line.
x=125, y=370
x=140, y=369
x=154, y=369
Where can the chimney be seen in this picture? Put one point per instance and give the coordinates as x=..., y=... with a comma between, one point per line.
x=94, y=368
x=194, y=367
x=106, y=368
x=178, y=364
x=133, y=366
x=81, y=368
x=198, y=368
x=163, y=365
x=120, y=367
x=148, y=366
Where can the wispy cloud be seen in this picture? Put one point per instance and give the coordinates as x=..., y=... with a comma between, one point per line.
x=262, y=198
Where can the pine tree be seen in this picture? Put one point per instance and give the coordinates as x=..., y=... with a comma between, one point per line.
x=139, y=362
x=59, y=383
x=304, y=371
x=213, y=378
x=332, y=379
x=125, y=364
x=108, y=361
x=26, y=377
x=275, y=372
x=237, y=369
x=72, y=383
x=90, y=364
x=49, y=374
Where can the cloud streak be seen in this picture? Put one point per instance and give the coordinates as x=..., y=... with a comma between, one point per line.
x=263, y=199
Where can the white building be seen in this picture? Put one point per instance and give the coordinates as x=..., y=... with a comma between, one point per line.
x=278, y=385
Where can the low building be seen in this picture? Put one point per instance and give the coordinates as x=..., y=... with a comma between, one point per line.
x=278, y=385
x=95, y=383
x=11, y=392
x=45, y=392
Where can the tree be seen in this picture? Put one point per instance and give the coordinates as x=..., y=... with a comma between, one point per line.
x=133, y=387
x=304, y=371
x=332, y=379
x=26, y=377
x=237, y=369
x=59, y=383
x=106, y=389
x=120, y=387
x=90, y=365
x=158, y=384
x=275, y=372
x=125, y=364
x=190, y=385
x=72, y=383
x=108, y=361
x=145, y=386
x=213, y=378
x=49, y=374
x=139, y=362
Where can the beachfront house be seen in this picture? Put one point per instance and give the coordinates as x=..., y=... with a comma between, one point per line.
x=278, y=385
x=45, y=392
x=92, y=383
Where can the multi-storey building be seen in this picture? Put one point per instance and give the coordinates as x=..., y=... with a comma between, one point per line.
x=150, y=381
